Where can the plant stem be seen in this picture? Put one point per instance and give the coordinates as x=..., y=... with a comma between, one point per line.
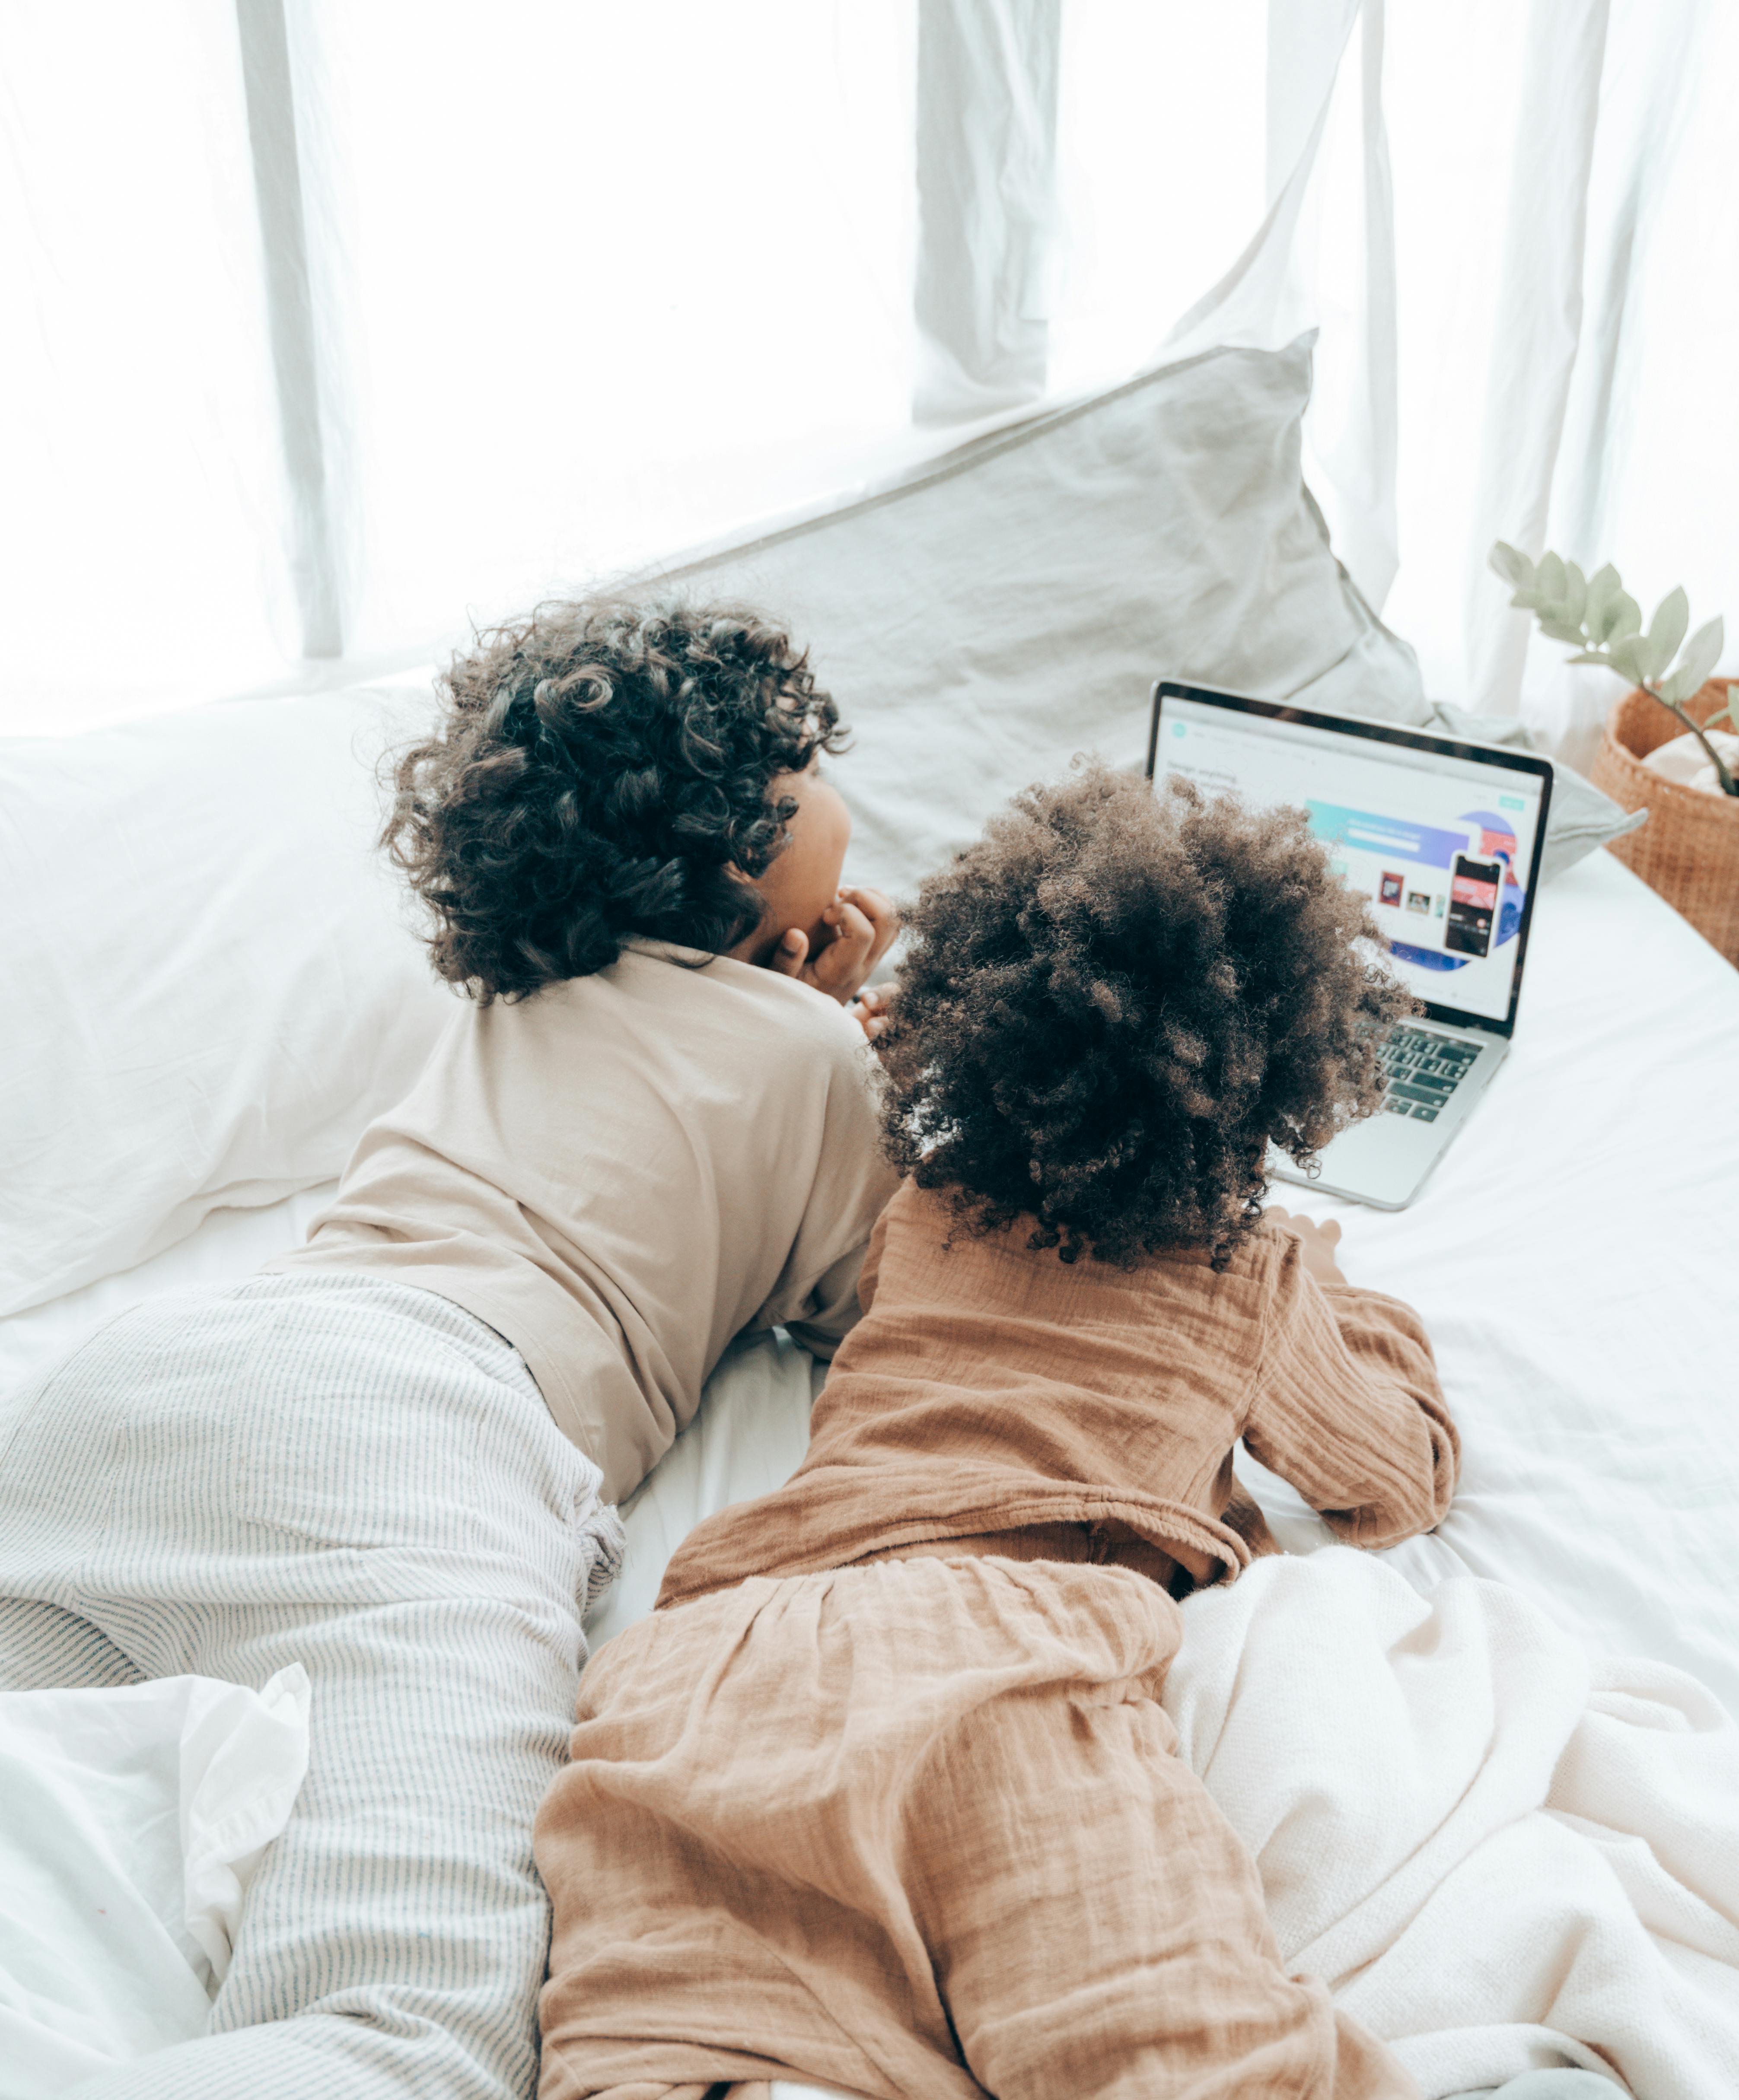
x=1714, y=756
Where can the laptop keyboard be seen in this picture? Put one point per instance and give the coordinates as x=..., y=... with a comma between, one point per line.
x=1423, y=1070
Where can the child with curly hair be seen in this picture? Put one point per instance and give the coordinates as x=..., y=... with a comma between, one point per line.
x=882, y=1796
x=645, y=1132
x=387, y=1458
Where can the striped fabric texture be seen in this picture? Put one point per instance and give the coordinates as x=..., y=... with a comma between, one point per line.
x=359, y=1476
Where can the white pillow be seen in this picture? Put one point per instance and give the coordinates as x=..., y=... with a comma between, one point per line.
x=981, y=621
x=211, y=980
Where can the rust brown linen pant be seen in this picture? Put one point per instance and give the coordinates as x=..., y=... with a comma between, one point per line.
x=915, y=1830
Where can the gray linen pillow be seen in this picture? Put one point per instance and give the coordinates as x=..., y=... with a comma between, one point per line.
x=982, y=619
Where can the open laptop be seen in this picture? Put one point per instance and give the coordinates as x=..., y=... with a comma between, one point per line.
x=1444, y=840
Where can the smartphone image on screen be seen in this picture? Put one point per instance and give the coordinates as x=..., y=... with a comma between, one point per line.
x=1473, y=917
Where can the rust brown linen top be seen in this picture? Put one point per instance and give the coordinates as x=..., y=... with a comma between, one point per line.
x=1000, y=1399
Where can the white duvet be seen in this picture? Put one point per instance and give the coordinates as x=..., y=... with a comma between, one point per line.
x=1499, y=1855
x=131, y=1820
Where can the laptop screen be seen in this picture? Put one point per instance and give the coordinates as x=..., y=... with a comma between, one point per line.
x=1441, y=844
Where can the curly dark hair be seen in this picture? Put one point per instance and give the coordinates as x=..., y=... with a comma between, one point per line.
x=601, y=768
x=1114, y=1002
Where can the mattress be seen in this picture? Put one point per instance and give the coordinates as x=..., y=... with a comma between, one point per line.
x=1572, y=1257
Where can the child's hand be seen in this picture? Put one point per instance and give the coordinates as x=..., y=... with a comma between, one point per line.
x=1317, y=1243
x=863, y=925
x=869, y=1009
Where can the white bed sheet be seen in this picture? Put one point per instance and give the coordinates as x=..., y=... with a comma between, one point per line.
x=229, y=1244
x=1575, y=1258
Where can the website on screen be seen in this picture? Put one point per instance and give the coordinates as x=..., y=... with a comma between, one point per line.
x=1440, y=847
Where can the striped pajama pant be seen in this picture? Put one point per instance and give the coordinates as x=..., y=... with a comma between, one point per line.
x=360, y=1477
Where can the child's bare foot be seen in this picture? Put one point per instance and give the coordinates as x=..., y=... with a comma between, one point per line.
x=1317, y=1243
x=869, y=1009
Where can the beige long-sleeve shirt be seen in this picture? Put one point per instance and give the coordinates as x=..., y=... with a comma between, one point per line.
x=620, y=1174
x=997, y=1399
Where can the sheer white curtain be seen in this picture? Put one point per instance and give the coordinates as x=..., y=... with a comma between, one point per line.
x=606, y=279
x=1564, y=283
x=140, y=483
x=1515, y=224
x=332, y=327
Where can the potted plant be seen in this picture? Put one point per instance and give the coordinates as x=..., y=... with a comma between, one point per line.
x=1689, y=849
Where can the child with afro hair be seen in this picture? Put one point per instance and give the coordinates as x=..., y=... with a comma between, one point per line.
x=882, y=1797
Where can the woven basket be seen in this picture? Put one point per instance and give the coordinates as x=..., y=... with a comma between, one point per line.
x=1688, y=851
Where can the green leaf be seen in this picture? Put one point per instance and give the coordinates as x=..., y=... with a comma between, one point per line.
x=1702, y=653
x=1623, y=619
x=1591, y=656
x=1559, y=630
x=1649, y=654
x=1672, y=616
x=1549, y=578
x=1624, y=656
x=1529, y=601
x=1512, y=564
x=1575, y=597
x=1602, y=588
x=1673, y=688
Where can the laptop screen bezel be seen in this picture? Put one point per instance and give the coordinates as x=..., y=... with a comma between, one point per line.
x=1413, y=739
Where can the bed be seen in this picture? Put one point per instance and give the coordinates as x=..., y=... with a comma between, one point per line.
x=216, y=988
x=1572, y=1257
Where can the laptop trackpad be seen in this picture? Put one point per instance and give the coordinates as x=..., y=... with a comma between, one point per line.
x=1382, y=1161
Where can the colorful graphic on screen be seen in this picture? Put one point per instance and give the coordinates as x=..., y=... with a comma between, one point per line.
x=1405, y=829
x=1448, y=898
x=1473, y=905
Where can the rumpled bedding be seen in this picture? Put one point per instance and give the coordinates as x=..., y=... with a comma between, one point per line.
x=132, y=1820
x=1498, y=1853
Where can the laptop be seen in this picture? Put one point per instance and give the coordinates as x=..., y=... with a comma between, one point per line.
x=1443, y=838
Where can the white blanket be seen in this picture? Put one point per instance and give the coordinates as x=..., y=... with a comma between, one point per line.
x=130, y=1823
x=1498, y=1856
